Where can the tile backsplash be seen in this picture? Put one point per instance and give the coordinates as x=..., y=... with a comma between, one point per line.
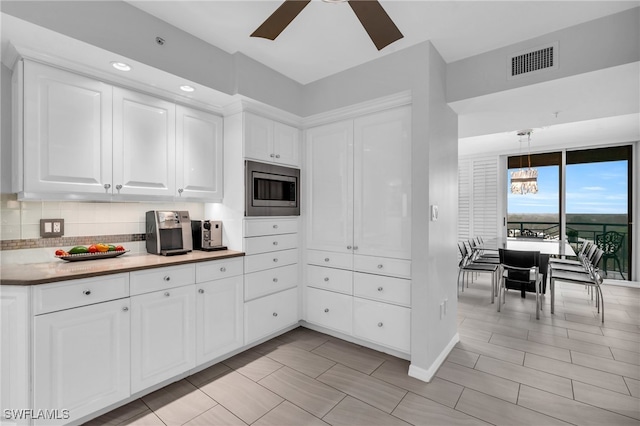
x=20, y=220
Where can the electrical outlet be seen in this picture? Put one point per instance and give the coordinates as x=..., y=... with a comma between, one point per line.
x=51, y=228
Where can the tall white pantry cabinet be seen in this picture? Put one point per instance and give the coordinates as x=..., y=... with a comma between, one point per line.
x=358, y=258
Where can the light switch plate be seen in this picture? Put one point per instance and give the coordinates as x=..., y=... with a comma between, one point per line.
x=51, y=228
x=434, y=212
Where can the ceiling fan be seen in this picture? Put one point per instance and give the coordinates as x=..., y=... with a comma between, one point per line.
x=372, y=16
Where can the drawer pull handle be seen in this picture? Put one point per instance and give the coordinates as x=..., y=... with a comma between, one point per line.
x=275, y=280
x=326, y=279
x=275, y=226
x=223, y=269
x=326, y=259
x=355, y=247
x=380, y=289
x=275, y=314
x=125, y=308
x=272, y=155
x=326, y=310
x=277, y=155
x=167, y=294
x=275, y=243
x=349, y=247
x=380, y=266
x=201, y=291
x=380, y=324
x=275, y=259
x=86, y=292
x=167, y=278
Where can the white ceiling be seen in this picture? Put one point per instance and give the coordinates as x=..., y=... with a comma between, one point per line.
x=328, y=38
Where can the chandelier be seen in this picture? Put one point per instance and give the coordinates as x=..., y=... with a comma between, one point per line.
x=525, y=181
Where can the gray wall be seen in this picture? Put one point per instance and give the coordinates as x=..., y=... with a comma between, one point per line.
x=602, y=43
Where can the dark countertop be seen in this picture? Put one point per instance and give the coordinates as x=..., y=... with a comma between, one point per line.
x=60, y=270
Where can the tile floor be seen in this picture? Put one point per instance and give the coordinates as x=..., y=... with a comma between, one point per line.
x=508, y=369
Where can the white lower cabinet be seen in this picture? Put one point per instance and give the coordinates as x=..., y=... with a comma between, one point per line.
x=81, y=359
x=382, y=323
x=162, y=335
x=329, y=309
x=219, y=318
x=262, y=283
x=269, y=314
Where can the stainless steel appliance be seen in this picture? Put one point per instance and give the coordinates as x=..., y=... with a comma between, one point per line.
x=207, y=235
x=271, y=190
x=168, y=232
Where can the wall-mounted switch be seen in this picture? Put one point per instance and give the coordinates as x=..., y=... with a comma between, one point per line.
x=51, y=228
x=434, y=212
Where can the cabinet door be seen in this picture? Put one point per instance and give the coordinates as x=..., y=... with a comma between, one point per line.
x=81, y=359
x=67, y=132
x=286, y=141
x=329, y=187
x=269, y=314
x=162, y=335
x=258, y=137
x=219, y=316
x=144, y=145
x=198, y=154
x=382, y=184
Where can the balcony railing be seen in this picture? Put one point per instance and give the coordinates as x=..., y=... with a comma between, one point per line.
x=576, y=234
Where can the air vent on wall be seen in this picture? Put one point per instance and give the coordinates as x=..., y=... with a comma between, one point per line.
x=533, y=61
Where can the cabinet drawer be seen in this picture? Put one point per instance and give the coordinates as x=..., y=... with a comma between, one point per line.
x=270, y=281
x=384, y=289
x=259, y=262
x=74, y=293
x=162, y=278
x=269, y=243
x=269, y=314
x=382, y=266
x=338, y=280
x=388, y=325
x=330, y=258
x=258, y=227
x=218, y=269
x=328, y=309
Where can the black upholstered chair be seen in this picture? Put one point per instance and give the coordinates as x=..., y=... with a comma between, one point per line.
x=520, y=271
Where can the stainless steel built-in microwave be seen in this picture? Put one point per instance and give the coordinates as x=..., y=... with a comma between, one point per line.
x=271, y=190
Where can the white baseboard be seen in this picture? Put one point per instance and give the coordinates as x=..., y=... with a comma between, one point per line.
x=622, y=283
x=426, y=375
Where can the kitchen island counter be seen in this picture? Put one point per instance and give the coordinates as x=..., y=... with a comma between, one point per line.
x=43, y=273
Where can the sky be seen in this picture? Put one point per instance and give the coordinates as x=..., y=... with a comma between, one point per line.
x=597, y=188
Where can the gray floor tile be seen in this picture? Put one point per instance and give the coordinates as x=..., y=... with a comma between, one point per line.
x=350, y=355
x=417, y=410
x=633, y=385
x=303, y=391
x=178, y=403
x=612, y=401
x=287, y=414
x=216, y=416
x=439, y=390
x=369, y=389
x=146, y=418
x=626, y=356
x=301, y=360
x=350, y=412
x=609, y=365
x=121, y=414
x=480, y=381
x=500, y=412
x=304, y=338
x=531, y=347
x=208, y=374
x=463, y=357
x=571, y=344
x=569, y=410
x=253, y=364
x=492, y=350
x=614, y=342
x=242, y=396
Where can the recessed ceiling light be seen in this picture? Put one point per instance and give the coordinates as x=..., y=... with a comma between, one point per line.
x=187, y=88
x=121, y=66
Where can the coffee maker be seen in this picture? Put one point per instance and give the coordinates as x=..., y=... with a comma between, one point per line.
x=207, y=235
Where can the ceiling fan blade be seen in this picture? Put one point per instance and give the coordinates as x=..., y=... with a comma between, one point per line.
x=376, y=22
x=278, y=21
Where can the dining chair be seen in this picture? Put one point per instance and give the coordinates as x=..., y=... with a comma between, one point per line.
x=520, y=271
x=610, y=242
x=467, y=264
x=590, y=277
x=587, y=249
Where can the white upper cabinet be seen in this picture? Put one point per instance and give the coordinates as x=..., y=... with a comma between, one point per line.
x=67, y=132
x=382, y=182
x=144, y=144
x=329, y=184
x=270, y=141
x=198, y=154
x=359, y=185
